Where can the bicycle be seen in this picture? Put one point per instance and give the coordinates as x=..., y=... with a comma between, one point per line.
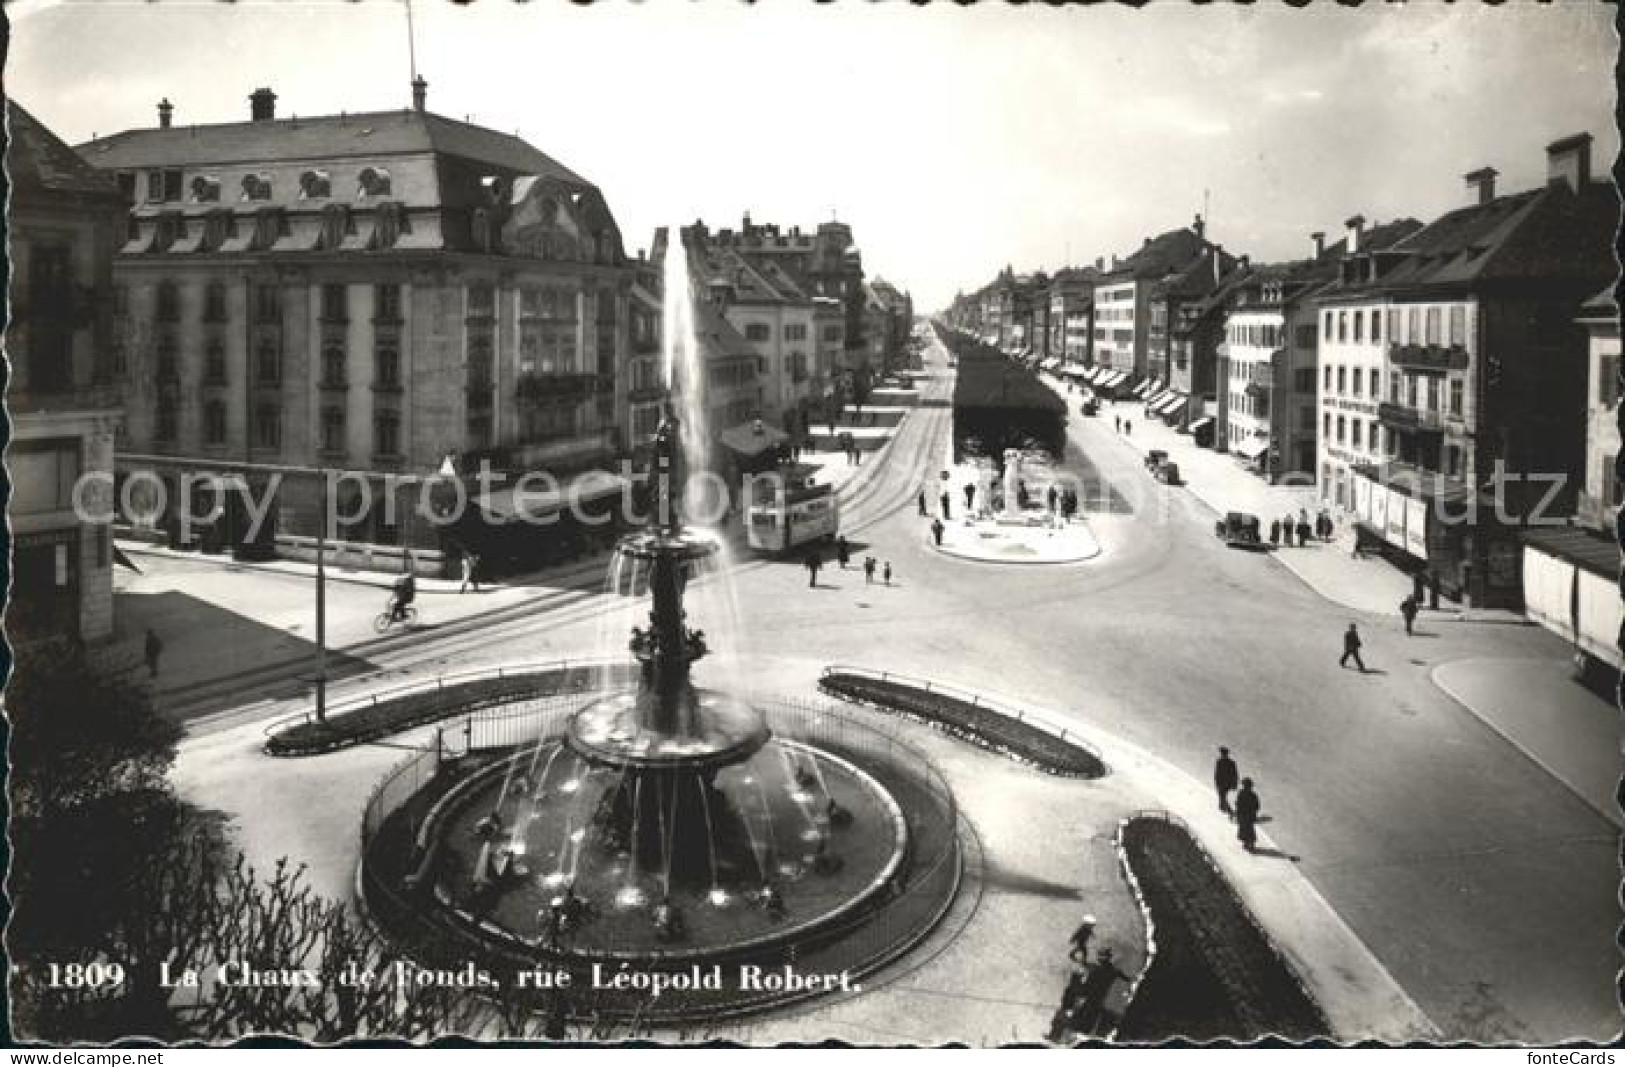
x=386, y=618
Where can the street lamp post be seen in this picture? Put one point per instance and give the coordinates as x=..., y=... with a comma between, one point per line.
x=321, y=601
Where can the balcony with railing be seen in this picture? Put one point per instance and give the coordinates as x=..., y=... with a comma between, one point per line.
x=1434, y=358
x=1408, y=419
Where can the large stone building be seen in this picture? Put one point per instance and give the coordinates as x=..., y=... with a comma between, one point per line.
x=1123, y=298
x=65, y=220
x=1458, y=354
x=371, y=293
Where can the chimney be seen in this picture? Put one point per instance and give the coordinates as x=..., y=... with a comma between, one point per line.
x=1320, y=243
x=1218, y=263
x=1356, y=230
x=1569, y=162
x=420, y=94
x=262, y=105
x=1482, y=183
x=166, y=111
x=1100, y=263
x=1199, y=227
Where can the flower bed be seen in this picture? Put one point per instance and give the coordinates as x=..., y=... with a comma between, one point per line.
x=391, y=715
x=969, y=721
x=1214, y=974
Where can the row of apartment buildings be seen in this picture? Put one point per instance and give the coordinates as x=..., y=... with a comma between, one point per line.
x=395, y=296
x=1439, y=362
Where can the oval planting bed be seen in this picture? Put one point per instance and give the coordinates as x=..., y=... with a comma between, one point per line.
x=391, y=714
x=1214, y=974
x=969, y=718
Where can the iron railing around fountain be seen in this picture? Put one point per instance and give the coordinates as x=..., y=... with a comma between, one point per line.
x=1047, y=722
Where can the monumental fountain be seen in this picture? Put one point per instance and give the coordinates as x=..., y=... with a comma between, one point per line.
x=665, y=825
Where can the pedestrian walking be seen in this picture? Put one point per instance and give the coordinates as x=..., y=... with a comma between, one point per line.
x=1081, y=938
x=1286, y=531
x=843, y=552
x=1091, y=1003
x=1408, y=608
x=868, y=570
x=970, y=496
x=471, y=579
x=936, y=531
x=1303, y=531
x=923, y=510
x=1351, y=648
x=1128, y=428
x=1275, y=531
x=153, y=650
x=1247, y=815
x=815, y=563
x=1224, y=779
x=1324, y=522
x=887, y=572
x=947, y=512
x=1053, y=497
x=1117, y=423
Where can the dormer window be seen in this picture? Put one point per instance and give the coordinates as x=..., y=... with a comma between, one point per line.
x=315, y=185
x=256, y=187
x=373, y=181
x=205, y=190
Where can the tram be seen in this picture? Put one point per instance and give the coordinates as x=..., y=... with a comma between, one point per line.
x=785, y=509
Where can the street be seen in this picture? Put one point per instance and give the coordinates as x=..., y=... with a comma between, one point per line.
x=1479, y=880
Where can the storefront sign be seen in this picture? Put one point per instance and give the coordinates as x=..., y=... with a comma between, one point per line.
x=1416, y=520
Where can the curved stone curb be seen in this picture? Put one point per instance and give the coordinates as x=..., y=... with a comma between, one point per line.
x=1087, y=549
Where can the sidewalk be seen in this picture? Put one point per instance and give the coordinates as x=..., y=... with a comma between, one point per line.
x=1369, y=584
x=219, y=620
x=1538, y=706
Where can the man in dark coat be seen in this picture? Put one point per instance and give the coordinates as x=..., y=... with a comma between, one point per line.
x=1275, y=531
x=923, y=510
x=1351, y=647
x=843, y=552
x=815, y=563
x=1247, y=815
x=1091, y=998
x=1303, y=531
x=1408, y=608
x=970, y=495
x=936, y=531
x=1225, y=777
x=947, y=512
x=1286, y=531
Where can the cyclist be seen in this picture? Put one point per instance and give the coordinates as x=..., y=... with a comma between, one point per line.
x=406, y=590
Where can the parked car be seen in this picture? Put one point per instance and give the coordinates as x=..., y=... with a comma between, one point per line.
x=1154, y=459
x=1168, y=474
x=1239, y=530
x=1090, y=407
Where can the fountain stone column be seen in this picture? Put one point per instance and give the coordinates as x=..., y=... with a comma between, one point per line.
x=1012, y=482
x=666, y=723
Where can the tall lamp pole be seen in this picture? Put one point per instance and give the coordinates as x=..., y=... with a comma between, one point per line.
x=321, y=602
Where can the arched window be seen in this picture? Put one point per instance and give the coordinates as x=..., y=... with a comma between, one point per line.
x=205, y=189
x=256, y=187
x=373, y=181
x=314, y=185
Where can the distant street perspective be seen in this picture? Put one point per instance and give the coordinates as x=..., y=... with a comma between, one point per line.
x=452, y=594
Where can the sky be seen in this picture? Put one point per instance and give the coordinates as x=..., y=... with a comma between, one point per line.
x=954, y=140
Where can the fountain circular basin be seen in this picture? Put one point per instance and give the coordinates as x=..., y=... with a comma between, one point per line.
x=763, y=851
x=715, y=730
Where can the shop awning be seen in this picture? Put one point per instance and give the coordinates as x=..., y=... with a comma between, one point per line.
x=752, y=438
x=1073, y=370
x=1171, y=409
x=539, y=498
x=1118, y=377
x=1153, y=399
x=1251, y=449
x=1201, y=424
x=1052, y=364
x=1169, y=402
